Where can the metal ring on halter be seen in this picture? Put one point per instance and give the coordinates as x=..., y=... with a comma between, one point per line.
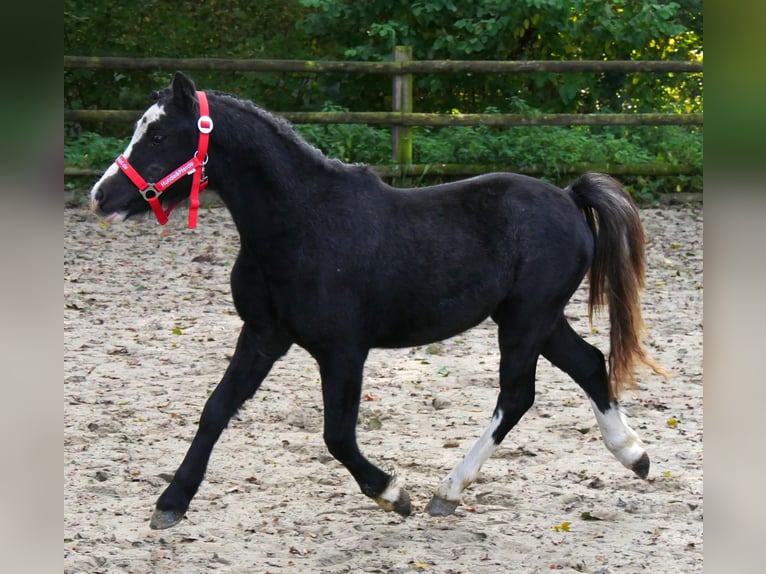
x=204, y=161
x=150, y=192
x=205, y=124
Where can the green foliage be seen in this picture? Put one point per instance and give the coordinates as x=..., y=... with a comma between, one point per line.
x=520, y=30
x=156, y=28
x=435, y=29
x=349, y=142
x=92, y=150
x=547, y=148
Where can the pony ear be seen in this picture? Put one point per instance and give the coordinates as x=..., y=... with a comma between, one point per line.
x=184, y=92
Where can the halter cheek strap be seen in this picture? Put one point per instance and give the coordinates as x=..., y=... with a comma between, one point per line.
x=194, y=167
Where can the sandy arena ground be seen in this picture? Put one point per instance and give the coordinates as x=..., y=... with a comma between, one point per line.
x=149, y=327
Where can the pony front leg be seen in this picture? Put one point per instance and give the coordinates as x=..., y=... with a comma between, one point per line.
x=341, y=390
x=247, y=369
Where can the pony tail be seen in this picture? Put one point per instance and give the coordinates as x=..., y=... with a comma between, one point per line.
x=617, y=274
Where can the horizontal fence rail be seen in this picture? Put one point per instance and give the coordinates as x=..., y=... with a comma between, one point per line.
x=390, y=68
x=402, y=119
x=436, y=120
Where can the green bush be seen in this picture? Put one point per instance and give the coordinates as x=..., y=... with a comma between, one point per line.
x=351, y=143
x=90, y=150
x=548, y=148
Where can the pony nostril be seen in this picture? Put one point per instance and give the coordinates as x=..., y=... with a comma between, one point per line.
x=96, y=199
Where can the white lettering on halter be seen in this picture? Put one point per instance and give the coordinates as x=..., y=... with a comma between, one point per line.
x=153, y=114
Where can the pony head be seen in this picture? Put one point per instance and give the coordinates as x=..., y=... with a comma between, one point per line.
x=165, y=137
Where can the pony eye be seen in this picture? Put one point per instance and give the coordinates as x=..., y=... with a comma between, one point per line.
x=157, y=139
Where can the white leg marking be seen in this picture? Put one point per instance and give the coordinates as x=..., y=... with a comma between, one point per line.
x=151, y=115
x=621, y=440
x=390, y=496
x=468, y=469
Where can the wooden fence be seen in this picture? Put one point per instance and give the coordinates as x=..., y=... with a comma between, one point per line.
x=402, y=118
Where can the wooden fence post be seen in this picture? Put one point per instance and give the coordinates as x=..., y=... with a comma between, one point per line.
x=401, y=142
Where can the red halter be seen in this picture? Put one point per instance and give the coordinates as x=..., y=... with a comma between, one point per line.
x=195, y=166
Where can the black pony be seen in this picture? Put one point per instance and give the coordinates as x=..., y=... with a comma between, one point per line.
x=338, y=262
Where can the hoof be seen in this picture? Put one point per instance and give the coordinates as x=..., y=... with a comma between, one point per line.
x=162, y=519
x=439, y=506
x=641, y=466
x=402, y=505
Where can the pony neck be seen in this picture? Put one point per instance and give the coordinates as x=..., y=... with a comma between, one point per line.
x=270, y=179
x=265, y=173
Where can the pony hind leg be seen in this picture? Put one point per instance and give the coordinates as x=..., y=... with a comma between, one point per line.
x=518, y=362
x=341, y=374
x=586, y=365
x=252, y=360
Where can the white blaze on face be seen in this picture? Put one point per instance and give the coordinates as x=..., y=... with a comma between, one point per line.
x=153, y=114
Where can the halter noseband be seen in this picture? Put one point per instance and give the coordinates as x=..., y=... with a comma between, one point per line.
x=195, y=167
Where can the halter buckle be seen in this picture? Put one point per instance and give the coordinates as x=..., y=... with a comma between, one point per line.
x=150, y=192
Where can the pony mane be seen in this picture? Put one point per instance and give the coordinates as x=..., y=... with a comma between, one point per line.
x=285, y=129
